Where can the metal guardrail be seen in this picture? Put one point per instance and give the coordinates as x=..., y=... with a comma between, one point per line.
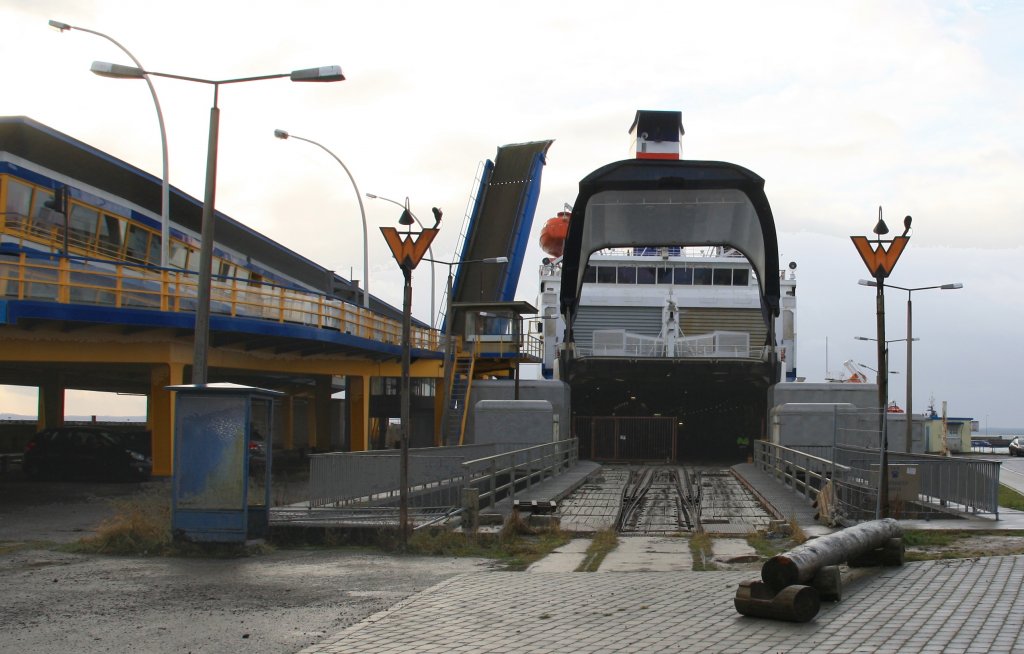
x=502, y=475
x=939, y=483
x=344, y=479
x=80, y=280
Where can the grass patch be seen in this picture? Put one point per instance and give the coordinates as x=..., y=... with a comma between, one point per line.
x=1010, y=498
x=603, y=542
x=139, y=526
x=516, y=546
x=700, y=548
x=10, y=547
x=768, y=545
x=796, y=533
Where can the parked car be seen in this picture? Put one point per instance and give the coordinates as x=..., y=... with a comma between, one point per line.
x=83, y=453
x=1017, y=446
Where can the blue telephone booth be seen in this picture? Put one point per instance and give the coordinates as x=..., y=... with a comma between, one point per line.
x=223, y=437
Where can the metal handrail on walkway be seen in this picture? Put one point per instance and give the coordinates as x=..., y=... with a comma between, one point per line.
x=502, y=475
x=938, y=483
x=118, y=284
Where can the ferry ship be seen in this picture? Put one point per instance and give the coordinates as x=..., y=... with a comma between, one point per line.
x=663, y=306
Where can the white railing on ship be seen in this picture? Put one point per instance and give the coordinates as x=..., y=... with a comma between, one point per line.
x=656, y=352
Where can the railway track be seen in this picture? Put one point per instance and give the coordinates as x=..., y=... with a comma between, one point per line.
x=660, y=499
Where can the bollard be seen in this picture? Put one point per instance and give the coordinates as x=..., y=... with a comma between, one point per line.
x=470, y=509
x=793, y=603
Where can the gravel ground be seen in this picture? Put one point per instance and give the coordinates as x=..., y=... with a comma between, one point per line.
x=283, y=601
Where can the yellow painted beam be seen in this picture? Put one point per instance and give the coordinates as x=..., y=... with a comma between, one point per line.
x=160, y=415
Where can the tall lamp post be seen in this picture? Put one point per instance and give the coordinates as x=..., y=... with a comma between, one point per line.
x=281, y=134
x=910, y=347
x=165, y=185
x=880, y=261
x=433, y=276
x=408, y=250
x=449, y=346
x=202, y=329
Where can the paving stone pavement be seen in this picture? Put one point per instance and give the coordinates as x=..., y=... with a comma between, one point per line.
x=952, y=606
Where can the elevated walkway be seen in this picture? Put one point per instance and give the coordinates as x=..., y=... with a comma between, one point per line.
x=551, y=490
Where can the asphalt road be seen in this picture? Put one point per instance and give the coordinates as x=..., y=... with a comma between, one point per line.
x=53, y=601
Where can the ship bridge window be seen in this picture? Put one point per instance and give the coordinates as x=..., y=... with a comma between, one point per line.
x=589, y=275
x=45, y=221
x=137, y=244
x=722, y=276
x=82, y=226
x=605, y=274
x=684, y=276
x=111, y=235
x=645, y=275
x=154, y=249
x=702, y=276
x=177, y=255
x=740, y=277
x=664, y=275
x=18, y=204
x=627, y=275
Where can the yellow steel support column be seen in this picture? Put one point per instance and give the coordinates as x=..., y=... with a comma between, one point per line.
x=160, y=415
x=322, y=413
x=51, y=402
x=358, y=400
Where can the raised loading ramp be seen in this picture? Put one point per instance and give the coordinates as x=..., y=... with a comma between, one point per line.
x=499, y=225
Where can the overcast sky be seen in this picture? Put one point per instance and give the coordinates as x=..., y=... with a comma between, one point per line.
x=841, y=107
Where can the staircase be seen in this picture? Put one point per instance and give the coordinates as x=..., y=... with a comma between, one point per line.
x=453, y=420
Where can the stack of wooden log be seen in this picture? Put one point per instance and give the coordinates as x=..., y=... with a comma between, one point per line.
x=794, y=583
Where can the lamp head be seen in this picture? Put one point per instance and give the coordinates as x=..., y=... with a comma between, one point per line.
x=59, y=25
x=117, y=71
x=281, y=134
x=949, y=287
x=321, y=74
x=867, y=282
x=406, y=218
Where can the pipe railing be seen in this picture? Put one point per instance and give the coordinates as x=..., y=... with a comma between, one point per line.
x=502, y=475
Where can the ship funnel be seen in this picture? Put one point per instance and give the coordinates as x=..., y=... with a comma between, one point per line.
x=656, y=134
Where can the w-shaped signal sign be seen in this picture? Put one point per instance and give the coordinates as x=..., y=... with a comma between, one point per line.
x=408, y=248
x=880, y=261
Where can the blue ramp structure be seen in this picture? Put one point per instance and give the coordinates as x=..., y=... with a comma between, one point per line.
x=499, y=226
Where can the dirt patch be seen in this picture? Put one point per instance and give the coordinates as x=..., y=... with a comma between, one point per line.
x=969, y=546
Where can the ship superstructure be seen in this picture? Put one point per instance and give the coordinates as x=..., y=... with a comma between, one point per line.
x=668, y=302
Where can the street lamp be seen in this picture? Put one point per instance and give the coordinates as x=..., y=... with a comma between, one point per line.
x=202, y=328
x=880, y=260
x=910, y=349
x=433, y=276
x=449, y=347
x=165, y=185
x=281, y=134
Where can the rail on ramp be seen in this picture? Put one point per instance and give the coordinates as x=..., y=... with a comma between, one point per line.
x=499, y=226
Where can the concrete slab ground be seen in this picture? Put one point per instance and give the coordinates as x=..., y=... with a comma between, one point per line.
x=936, y=606
x=566, y=558
x=649, y=554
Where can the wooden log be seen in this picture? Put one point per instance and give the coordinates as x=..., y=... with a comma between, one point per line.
x=828, y=581
x=793, y=603
x=799, y=565
x=892, y=554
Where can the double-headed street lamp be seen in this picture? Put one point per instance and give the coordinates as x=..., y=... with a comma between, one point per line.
x=165, y=185
x=281, y=134
x=910, y=348
x=202, y=328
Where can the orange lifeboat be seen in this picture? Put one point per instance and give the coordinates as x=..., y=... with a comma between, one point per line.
x=552, y=237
